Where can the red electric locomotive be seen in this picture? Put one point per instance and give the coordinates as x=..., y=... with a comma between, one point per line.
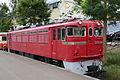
x=77, y=43
x=3, y=40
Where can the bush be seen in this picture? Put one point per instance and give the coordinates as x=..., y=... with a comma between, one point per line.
x=111, y=64
x=112, y=59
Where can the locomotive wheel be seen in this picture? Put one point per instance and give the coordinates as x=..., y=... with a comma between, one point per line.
x=60, y=63
x=31, y=56
x=47, y=60
x=22, y=53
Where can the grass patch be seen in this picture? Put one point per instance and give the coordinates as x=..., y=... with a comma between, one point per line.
x=111, y=64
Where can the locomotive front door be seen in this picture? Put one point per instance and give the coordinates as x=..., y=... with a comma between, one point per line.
x=90, y=41
x=94, y=41
x=54, y=43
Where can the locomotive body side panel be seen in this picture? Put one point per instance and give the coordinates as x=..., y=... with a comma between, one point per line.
x=32, y=41
x=56, y=41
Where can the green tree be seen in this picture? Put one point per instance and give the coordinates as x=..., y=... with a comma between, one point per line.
x=5, y=20
x=13, y=4
x=101, y=9
x=32, y=11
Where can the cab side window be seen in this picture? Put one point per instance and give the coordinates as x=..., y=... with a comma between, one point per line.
x=98, y=32
x=90, y=32
x=63, y=33
x=76, y=31
x=70, y=31
x=54, y=34
x=83, y=30
x=59, y=34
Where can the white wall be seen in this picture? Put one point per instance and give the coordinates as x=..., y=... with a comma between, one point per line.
x=64, y=6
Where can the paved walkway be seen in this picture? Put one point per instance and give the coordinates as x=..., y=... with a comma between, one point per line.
x=16, y=67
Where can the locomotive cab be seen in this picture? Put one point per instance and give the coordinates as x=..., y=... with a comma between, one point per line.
x=85, y=47
x=84, y=41
x=76, y=41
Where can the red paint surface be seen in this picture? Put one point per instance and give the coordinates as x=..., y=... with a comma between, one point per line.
x=43, y=45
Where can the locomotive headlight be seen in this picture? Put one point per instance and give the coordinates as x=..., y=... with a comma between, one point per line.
x=98, y=23
x=80, y=22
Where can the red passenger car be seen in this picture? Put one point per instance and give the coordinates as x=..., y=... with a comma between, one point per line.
x=3, y=40
x=78, y=44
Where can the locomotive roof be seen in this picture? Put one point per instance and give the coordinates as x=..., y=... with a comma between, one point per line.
x=57, y=24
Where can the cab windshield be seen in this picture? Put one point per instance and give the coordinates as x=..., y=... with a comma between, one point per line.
x=98, y=32
x=76, y=31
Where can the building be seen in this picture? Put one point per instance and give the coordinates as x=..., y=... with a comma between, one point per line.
x=113, y=27
x=64, y=8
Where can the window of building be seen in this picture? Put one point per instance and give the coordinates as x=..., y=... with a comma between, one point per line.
x=53, y=5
